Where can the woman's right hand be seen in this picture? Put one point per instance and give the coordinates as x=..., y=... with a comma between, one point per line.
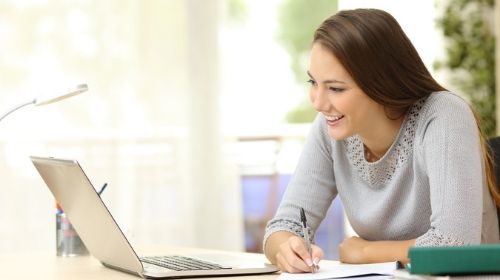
x=291, y=254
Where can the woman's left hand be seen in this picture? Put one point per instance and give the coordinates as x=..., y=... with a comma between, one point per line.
x=352, y=250
x=359, y=250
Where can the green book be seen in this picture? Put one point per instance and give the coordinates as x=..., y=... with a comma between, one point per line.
x=458, y=260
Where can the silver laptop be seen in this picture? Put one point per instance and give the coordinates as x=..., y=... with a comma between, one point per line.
x=105, y=240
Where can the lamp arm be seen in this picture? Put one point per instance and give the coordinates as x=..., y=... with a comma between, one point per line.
x=18, y=107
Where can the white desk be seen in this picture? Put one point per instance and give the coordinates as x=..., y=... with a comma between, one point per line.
x=49, y=266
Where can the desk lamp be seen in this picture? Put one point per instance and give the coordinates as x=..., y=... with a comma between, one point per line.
x=47, y=99
x=71, y=244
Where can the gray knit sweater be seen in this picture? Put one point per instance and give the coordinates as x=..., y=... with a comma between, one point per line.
x=430, y=184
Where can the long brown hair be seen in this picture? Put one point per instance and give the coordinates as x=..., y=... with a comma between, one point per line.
x=488, y=163
x=373, y=48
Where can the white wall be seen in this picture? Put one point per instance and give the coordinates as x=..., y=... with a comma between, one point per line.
x=417, y=18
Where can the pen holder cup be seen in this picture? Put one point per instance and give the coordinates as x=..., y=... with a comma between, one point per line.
x=68, y=242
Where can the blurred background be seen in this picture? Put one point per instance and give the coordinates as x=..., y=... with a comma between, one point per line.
x=196, y=111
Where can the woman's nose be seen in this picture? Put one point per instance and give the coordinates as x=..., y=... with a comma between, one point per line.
x=319, y=99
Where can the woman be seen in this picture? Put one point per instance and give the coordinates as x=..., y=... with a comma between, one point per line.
x=405, y=156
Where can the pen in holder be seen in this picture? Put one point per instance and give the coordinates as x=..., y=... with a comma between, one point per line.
x=68, y=242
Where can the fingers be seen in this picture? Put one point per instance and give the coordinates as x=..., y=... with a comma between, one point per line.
x=317, y=255
x=290, y=256
x=351, y=250
x=286, y=266
x=344, y=250
x=294, y=257
x=299, y=247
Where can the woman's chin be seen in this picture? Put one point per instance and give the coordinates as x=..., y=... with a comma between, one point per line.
x=337, y=135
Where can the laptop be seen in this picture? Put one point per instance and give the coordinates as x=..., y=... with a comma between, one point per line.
x=105, y=240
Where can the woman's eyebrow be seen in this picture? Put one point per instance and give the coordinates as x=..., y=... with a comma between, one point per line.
x=326, y=81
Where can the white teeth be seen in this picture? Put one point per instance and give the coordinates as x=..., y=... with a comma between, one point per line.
x=333, y=118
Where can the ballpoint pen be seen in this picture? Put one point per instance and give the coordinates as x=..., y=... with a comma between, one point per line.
x=102, y=189
x=303, y=220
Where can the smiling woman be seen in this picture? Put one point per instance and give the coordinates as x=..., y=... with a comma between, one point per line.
x=347, y=109
x=389, y=138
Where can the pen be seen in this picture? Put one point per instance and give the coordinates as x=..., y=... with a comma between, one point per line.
x=102, y=189
x=306, y=236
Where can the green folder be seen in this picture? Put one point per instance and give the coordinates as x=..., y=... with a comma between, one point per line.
x=474, y=259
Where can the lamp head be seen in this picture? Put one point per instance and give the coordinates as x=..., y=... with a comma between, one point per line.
x=47, y=99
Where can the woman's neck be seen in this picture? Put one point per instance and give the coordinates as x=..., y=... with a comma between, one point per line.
x=378, y=141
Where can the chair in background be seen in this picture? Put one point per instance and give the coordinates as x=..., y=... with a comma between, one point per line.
x=494, y=144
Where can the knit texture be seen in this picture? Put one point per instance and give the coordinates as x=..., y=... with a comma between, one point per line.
x=430, y=184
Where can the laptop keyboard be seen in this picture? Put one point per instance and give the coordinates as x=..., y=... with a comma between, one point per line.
x=180, y=263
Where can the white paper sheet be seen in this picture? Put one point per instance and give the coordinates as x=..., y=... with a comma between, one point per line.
x=335, y=269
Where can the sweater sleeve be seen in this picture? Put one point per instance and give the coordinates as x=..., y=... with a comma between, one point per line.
x=312, y=186
x=452, y=155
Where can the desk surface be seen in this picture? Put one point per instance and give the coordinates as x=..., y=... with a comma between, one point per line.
x=49, y=266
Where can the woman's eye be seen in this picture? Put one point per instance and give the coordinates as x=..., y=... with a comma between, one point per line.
x=312, y=82
x=336, y=89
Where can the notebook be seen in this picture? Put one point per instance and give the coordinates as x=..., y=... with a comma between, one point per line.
x=455, y=260
x=338, y=270
x=105, y=240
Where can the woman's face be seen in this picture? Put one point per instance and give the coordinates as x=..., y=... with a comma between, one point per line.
x=347, y=109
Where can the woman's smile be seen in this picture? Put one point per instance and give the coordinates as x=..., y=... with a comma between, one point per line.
x=332, y=120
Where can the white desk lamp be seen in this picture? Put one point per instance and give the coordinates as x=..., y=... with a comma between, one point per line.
x=47, y=99
x=43, y=100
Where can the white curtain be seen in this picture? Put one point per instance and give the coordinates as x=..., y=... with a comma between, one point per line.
x=149, y=125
